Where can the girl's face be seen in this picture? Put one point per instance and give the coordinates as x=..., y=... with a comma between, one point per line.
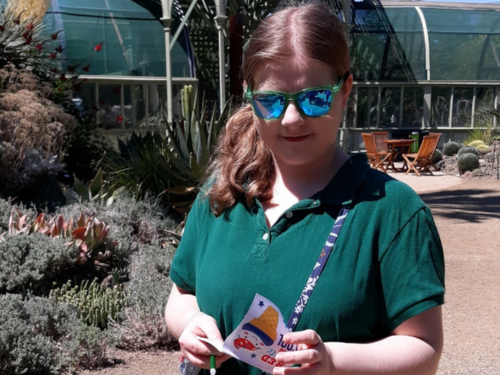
x=295, y=139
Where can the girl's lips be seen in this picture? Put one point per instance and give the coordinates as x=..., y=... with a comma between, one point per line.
x=296, y=139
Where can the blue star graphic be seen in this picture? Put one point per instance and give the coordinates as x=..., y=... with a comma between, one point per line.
x=253, y=355
x=261, y=303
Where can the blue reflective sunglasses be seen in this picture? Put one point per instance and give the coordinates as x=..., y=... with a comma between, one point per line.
x=311, y=102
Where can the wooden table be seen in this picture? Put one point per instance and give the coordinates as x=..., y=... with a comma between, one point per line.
x=403, y=145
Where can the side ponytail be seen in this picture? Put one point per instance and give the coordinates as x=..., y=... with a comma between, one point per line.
x=243, y=164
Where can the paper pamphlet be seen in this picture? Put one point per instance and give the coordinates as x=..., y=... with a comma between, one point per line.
x=259, y=336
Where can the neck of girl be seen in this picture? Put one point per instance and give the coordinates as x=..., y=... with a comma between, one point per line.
x=303, y=181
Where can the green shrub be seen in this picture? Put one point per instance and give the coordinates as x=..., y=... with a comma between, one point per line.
x=38, y=336
x=31, y=262
x=144, y=324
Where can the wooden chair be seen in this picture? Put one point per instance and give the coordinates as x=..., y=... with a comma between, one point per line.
x=375, y=159
x=422, y=160
x=383, y=149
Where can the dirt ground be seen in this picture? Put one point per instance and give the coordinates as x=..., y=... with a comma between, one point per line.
x=468, y=219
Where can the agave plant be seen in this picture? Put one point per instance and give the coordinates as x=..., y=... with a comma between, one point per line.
x=168, y=166
x=95, y=190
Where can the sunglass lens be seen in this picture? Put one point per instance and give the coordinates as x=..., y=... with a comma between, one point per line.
x=315, y=102
x=268, y=106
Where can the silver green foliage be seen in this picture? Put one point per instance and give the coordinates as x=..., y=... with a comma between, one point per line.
x=468, y=150
x=35, y=329
x=467, y=162
x=143, y=325
x=451, y=148
x=29, y=262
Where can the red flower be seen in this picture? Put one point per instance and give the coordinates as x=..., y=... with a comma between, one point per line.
x=98, y=47
x=28, y=40
x=119, y=118
x=29, y=27
x=71, y=68
x=59, y=49
x=39, y=47
x=62, y=77
x=86, y=68
x=117, y=90
x=26, y=34
x=52, y=55
x=85, y=80
x=54, y=36
x=17, y=21
x=54, y=70
x=2, y=27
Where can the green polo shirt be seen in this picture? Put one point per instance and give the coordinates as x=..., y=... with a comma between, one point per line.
x=387, y=265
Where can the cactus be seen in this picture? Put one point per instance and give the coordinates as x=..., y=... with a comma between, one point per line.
x=437, y=156
x=468, y=150
x=451, y=148
x=476, y=143
x=94, y=303
x=483, y=149
x=467, y=162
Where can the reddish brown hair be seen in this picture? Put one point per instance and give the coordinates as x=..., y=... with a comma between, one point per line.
x=243, y=166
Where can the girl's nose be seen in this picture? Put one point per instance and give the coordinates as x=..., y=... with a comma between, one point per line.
x=292, y=115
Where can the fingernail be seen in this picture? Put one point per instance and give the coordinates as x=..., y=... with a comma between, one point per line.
x=279, y=358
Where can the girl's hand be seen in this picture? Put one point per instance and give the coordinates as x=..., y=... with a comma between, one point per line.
x=196, y=351
x=312, y=354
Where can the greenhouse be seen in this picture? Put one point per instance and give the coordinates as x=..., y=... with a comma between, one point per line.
x=417, y=65
x=421, y=65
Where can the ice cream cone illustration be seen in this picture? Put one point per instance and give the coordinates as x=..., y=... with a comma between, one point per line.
x=264, y=326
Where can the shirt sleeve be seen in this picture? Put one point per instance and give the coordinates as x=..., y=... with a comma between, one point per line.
x=412, y=271
x=184, y=265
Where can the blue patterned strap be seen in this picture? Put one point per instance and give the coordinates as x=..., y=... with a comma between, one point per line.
x=318, y=267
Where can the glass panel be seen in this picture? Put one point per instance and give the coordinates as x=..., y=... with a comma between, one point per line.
x=389, y=106
x=485, y=105
x=462, y=106
x=440, y=106
x=133, y=40
x=413, y=104
x=409, y=34
x=367, y=107
x=459, y=43
x=109, y=112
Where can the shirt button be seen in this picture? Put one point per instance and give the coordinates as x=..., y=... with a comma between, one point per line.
x=265, y=236
x=289, y=215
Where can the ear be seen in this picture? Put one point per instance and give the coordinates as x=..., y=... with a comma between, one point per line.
x=245, y=85
x=346, y=89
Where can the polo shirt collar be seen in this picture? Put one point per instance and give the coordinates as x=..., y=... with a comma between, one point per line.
x=345, y=182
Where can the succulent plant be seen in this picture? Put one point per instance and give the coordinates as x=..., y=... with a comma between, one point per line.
x=483, y=149
x=451, y=148
x=476, y=143
x=95, y=304
x=89, y=235
x=95, y=190
x=468, y=150
x=467, y=162
x=437, y=156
